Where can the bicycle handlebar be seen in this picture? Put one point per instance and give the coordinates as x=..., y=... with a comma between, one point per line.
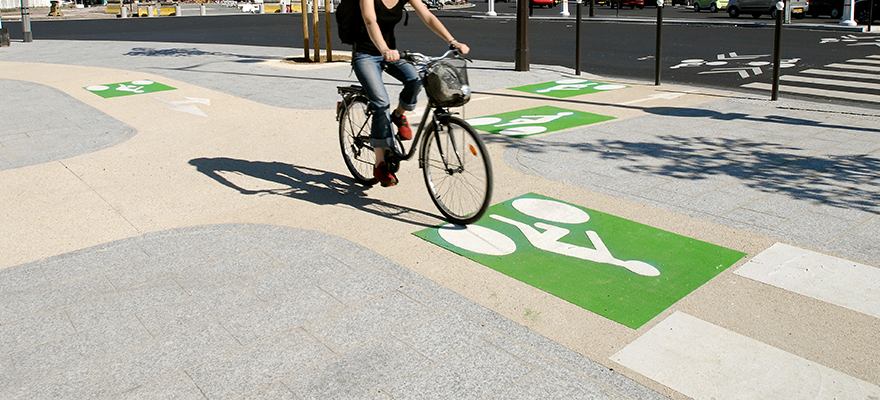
x=419, y=58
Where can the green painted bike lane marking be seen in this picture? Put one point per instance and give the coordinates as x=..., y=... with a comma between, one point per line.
x=565, y=88
x=536, y=120
x=623, y=270
x=127, y=88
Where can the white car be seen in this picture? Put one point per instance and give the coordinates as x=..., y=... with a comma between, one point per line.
x=249, y=8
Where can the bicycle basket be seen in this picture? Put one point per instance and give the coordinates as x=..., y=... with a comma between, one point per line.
x=446, y=82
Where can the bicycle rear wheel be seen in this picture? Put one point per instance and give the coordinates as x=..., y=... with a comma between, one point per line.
x=354, y=139
x=457, y=170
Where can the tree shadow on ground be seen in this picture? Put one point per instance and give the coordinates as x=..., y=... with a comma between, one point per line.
x=303, y=183
x=844, y=181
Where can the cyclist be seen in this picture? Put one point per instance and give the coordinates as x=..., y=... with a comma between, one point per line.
x=378, y=50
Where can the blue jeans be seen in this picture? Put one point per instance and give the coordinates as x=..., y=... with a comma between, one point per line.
x=368, y=70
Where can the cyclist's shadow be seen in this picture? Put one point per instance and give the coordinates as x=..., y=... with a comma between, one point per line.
x=312, y=185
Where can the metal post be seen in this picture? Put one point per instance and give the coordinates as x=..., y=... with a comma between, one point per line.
x=658, y=53
x=870, y=14
x=564, y=11
x=26, y=33
x=849, y=14
x=202, y=10
x=491, y=12
x=592, y=5
x=577, y=30
x=776, y=42
x=521, y=56
x=177, y=10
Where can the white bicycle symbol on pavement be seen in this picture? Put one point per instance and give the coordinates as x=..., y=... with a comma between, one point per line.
x=543, y=236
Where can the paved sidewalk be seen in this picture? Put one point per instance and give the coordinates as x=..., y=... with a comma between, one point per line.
x=207, y=241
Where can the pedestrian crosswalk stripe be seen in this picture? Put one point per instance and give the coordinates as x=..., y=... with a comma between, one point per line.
x=705, y=361
x=828, y=82
x=840, y=74
x=852, y=96
x=857, y=67
x=862, y=61
x=823, y=277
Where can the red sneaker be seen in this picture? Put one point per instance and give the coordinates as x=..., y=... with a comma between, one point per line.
x=383, y=175
x=402, y=126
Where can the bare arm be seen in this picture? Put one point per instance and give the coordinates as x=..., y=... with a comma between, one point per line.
x=368, y=11
x=432, y=22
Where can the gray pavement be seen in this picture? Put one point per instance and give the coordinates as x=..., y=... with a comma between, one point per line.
x=127, y=273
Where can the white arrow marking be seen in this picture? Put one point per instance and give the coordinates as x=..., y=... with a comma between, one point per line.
x=667, y=96
x=188, y=106
x=734, y=56
x=743, y=72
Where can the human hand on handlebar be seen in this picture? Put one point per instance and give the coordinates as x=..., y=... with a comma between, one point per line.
x=463, y=48
x=391, y=55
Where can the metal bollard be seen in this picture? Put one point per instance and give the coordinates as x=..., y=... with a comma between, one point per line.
x=202, y=9
x=283, y=8
x=123, y=12
x=177, y=10
x=262, y=8
x=150, y=12
x=774, y=93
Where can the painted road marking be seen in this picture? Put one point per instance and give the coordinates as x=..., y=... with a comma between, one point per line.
x=659, y=96
x=734, y=56
x=829, y=82
x=841, y=74
x=858, y=67
x=705, y=361
x=620, y=269
x=815, y=92
x=568, y=88
x=188, y=106
x=834, y=280
x=863, y=61
x=127, y=88
x=534, y=121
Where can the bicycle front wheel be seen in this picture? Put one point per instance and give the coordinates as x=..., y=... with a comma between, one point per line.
x=457, y=170
x=354, y=139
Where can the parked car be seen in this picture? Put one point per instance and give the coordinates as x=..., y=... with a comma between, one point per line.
x=711, y=5
x=757, y=8
x=831, y=8
x=542, y=3
x=861, y=11
x=627, y=3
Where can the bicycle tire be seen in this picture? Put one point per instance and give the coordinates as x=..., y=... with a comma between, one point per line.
x=460, y=186
x=354, y=140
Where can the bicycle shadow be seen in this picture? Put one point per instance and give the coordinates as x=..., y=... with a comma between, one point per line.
x=304, y=183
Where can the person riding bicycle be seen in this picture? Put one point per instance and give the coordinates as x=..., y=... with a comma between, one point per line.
x=377, y=51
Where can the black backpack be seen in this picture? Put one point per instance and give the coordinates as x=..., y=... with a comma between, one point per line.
x=349, y=22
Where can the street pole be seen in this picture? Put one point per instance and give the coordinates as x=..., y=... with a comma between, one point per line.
x=776, y=56
x=521, y=56
x=592, y=5
x=491, y=12
x=26, y=33
x=658, y=51
x=577, y=50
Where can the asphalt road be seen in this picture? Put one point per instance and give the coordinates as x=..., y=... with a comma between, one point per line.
x=613, y=48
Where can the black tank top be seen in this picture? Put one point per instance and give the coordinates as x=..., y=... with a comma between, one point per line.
x=387, y=19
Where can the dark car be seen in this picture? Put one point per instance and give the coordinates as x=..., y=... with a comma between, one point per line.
x=630, y=3
x=861, y=11
x=831, y=8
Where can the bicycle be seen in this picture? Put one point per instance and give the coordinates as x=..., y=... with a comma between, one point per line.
x=453, y=158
